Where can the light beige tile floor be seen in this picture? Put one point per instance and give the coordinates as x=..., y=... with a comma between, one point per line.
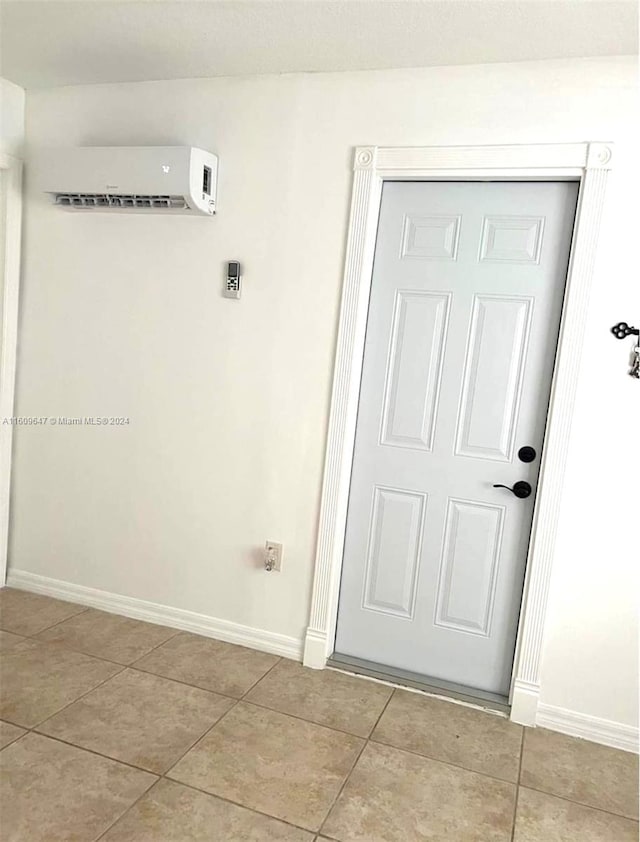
x=108, y=636
x=7, y=639
x=9, y=733
x=394, y=795
x=453, y=733
x=52, y=791
x=325, y=697
x=140, y=719
x=210, y=664
x=285, y=767
x=38, y=679
x=246, y=747
x=581, y=771
x=172, y=812
x=29, y=613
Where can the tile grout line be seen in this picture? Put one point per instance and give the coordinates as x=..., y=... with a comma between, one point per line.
x=185, y=683
x=580, y=803
x=94, y=752
x=236, y=700
x=133, y=665
x=243, y=698
x=367, y=740
x=123, y=667
x=515, y=805
x=238, y=804
x=198, y=740
x=66, y=645
x=213, y=725
x=54, y=625
x=62, y=709
x=444, y=762
x=164, y=775
x=255, y=683
x=127, y=810
x=15, y=739
x=82, y=696
x=302, y=719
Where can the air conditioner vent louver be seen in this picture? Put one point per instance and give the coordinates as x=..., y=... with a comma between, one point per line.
x=178, y=180
x=110, y=200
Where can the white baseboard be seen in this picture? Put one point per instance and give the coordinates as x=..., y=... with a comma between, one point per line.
x=315, y=650
x=592, y=728
x=151, y=612
x=524, y=703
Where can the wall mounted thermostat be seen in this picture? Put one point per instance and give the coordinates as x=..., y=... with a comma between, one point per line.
x=232, y=283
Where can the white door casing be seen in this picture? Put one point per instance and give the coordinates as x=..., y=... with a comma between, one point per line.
x=463, y=318
x=10, y=222
x=590, y=164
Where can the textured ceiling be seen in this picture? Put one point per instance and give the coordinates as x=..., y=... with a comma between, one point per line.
x=47, y=43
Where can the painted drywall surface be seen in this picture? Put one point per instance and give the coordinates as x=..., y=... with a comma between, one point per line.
x=122, y=316
x=591, y=645
x=12, y=104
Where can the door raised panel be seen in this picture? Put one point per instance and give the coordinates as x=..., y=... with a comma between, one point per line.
x=469, y=566
x=430, y=237
x=414, y=369
x=493, y=375
x=512, y=239
x=393, y=553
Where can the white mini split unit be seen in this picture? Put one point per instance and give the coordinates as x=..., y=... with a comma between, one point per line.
x=150, y=179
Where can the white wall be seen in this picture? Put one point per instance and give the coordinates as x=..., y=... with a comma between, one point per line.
x=12, y=100
x=122, y=316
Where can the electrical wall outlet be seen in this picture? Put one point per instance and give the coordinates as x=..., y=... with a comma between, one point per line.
x=273, y=556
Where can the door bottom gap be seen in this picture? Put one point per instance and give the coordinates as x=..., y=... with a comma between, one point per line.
x=492, y=702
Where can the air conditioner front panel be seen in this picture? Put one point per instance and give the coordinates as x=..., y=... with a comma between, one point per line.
x=156, y=178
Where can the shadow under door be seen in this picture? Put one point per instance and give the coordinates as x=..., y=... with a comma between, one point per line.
x=466, y=298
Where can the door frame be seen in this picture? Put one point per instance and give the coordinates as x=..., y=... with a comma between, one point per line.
x=586, y=163
x=11, y=176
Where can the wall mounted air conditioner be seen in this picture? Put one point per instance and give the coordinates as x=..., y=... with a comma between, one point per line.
x=151, y=179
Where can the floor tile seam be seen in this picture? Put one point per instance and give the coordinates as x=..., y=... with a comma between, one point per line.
x=202, y=736
x=580, y=803
x=78, y=699
x=135, y=666
x=70, y=648
x=165, y=774
x=127, y=810
x=228, y=800
x=515, y=805
x=234, y=699
x=15, y=739
x=15, y=724
x=36, y=730
x=444, y=762
x=184, y=683
x=46, y=628
x=92, y=751
x=355, y=762
x=132, y=666
x=175, y=633
x=263, y=706
x=255, y=683
x=159, y=777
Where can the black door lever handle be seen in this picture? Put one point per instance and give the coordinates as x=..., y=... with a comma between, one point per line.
x=521, y=489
